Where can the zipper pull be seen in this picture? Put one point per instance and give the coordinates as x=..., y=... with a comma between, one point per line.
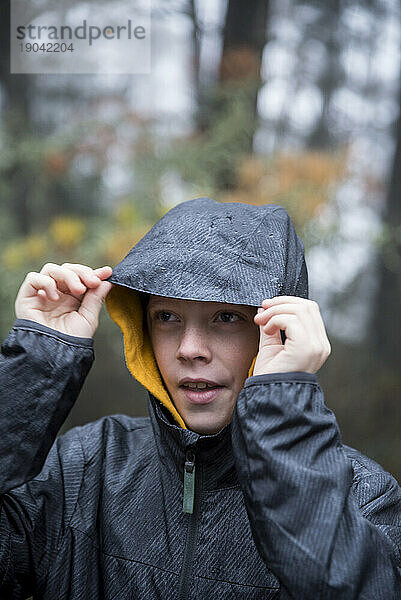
x=189, y=482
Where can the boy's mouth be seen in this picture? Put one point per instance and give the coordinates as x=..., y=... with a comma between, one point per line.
x=201, y=395
x=201, y=384
x=200, y=391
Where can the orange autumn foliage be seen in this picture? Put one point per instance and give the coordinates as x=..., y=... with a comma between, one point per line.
x=301, y=182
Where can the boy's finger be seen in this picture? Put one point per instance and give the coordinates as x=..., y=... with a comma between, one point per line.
x=103, y=272
x=265, y=339
x=283, y=299
x=89, y=277
x=67, y=279
x=93, y=299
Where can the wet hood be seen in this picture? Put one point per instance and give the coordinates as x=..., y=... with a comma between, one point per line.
x=207, y=251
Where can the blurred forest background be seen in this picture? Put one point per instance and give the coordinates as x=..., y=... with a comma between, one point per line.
x=281, y=101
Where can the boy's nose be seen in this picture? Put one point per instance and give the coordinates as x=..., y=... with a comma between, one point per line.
x=194, y=345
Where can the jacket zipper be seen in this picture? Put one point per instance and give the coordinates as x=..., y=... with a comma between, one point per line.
x=192, y=492
x=189, y=482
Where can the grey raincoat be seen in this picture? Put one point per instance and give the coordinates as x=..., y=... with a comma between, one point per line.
x=276, y=507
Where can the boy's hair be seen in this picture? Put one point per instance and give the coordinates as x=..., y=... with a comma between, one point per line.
x=144, y=297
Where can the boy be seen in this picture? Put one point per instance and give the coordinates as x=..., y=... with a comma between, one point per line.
x=237, y=485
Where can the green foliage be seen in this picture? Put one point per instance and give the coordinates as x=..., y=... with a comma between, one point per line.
x=208, y=160
x=388, y=241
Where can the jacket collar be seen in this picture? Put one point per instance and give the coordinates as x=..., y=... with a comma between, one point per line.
x=213, y=452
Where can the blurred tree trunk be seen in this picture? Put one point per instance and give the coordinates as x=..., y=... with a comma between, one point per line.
x=238, y=79
x=326, y=30
x=380, y=385
x=385, y=341
x=196, y=45
x=16, y=94
x=244, y=38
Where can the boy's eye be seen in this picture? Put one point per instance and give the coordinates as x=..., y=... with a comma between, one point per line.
x=229, y=317
x=168, y=317
x=163, y=315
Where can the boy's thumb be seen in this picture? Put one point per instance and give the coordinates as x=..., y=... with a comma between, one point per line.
x=94, y=297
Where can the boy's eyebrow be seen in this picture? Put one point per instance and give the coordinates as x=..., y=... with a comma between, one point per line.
x=223, y=305
x=152, y=303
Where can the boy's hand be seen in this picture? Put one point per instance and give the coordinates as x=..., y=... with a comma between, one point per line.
x=67, y=298
x=306, y=347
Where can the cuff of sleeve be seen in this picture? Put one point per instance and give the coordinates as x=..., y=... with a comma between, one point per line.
x=29, y=325
x=293, y=376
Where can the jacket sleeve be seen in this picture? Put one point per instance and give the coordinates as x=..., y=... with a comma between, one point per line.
x=299, y=491
x=41, y=374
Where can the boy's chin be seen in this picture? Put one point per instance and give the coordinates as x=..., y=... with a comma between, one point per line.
x=206, y=426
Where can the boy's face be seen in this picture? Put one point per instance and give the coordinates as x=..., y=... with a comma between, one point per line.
x=212, y=341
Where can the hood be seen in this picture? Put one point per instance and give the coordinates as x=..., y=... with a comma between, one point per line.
x=208, y=251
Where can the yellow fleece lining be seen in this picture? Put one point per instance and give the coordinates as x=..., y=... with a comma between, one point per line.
x=125, y=308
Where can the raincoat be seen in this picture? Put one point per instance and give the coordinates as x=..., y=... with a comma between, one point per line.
x=273, y=506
